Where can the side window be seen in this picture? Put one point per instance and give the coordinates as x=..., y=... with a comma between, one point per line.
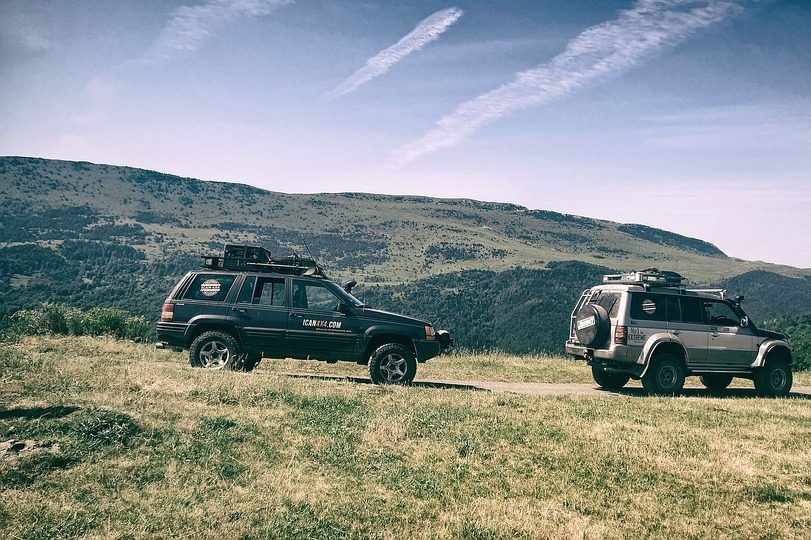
x=721, y=314
x=648, y=307
x=313, y=296
x=692, y=310
x=246, y=293
x=212, y=287
x=673, y=308
x=269, y=292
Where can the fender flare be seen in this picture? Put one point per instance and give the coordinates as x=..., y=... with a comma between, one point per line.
x=767, y=347
x=388, y=330
x=209, y=320
x=653, y=344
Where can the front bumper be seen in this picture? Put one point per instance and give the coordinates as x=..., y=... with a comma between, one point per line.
x=426, y=349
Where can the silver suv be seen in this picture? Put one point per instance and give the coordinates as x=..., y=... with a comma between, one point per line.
x=647, y=325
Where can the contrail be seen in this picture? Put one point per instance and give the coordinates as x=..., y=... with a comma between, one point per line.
x=597, y=53
x=424, y=33
x=189, y=27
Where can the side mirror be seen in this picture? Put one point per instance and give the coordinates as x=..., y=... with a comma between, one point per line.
x=345, y=309
x=348, y=286
x=744, y=321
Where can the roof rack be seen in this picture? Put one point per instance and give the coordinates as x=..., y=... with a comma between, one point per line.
x=259, y=259
x=650, y=277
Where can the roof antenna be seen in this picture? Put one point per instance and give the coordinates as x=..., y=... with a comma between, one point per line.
x=316, y=269
x=308, y=251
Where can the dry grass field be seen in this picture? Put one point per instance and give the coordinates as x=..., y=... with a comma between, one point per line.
x=118, y=440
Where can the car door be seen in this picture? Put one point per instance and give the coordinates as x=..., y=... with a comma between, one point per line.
x=260, y=313
x=686, y=322
x=316, y=328
x=731, y=345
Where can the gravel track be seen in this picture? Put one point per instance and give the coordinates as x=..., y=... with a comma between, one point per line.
x=633, y=388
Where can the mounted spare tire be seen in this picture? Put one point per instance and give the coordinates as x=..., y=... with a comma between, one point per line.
x=592, y=325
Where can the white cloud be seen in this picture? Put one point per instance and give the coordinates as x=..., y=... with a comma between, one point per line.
x=189, y=27
x=428, y=30
x=597, y=53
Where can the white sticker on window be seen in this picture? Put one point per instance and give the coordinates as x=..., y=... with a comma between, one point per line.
x=210, y=287
x=649, y=306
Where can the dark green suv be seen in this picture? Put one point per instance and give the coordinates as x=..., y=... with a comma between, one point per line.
x=245, y=306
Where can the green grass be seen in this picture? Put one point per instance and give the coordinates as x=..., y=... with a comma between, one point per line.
x=143, y=446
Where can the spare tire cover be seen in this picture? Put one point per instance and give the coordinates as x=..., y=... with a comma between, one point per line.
x=591, y=325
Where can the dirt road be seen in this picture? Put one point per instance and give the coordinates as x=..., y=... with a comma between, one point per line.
x=557, y=389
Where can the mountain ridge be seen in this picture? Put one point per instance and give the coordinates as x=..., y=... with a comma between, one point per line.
x=86, y=235
x=466, y=229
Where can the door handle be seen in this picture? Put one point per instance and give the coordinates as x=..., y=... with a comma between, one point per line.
x=676, y=332
x=241, y=310
x=714, y=334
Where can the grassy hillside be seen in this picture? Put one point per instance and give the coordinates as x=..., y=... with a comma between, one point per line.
x=119, y=440
x=497, y=275
x=383, y=238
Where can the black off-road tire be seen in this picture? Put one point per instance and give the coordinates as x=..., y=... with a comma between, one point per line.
x=774, y=379
x=215, y=350
x=392, y=363
x=609, y=381
x=716, y=381
x=665, y=376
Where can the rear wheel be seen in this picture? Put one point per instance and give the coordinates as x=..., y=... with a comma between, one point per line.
x=774, y=379
x=716, y=381
x=664, y=376
x=215, y=350
x=392, y=364
x=610, y=381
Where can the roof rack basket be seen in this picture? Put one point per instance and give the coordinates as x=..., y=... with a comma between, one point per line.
x=650, y=277
x=258, y=259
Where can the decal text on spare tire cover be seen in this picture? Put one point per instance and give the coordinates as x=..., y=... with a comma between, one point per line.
x=585, y=323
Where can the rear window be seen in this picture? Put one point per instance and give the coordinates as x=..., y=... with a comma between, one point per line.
x=609, y=301
x=211, y=287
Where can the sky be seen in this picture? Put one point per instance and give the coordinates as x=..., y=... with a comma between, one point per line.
x=691, y=116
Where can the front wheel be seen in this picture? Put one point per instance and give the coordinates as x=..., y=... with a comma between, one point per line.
x=392, y=364
x=215, y=350
x=774, y=379
x=664, y=376
x=609, y=381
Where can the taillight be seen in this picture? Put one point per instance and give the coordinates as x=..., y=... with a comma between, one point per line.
x=620, y=336
x=168, y=312
x=430, y=334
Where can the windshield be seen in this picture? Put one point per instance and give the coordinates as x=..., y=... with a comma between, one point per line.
x=343, y=295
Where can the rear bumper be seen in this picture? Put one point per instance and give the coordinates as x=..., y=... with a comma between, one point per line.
x=172, y=335
x=613, y=360
x=617, y=353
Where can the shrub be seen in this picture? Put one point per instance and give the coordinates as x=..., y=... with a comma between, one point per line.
x=57, y=319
